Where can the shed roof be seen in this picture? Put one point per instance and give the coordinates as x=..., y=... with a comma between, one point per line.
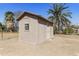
x=33, y=14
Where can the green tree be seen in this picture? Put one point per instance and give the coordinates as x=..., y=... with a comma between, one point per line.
x=59, y=15
x=2, y=28
x=9, y=20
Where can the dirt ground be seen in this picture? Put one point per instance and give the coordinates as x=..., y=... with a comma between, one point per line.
x=60, y=45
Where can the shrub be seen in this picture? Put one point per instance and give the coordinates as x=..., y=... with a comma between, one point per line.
x=68, y=31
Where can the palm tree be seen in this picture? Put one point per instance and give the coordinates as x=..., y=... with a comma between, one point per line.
x=9, y=18
x=59, y=16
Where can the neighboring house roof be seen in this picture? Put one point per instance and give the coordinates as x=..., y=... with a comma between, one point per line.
x=24, y=13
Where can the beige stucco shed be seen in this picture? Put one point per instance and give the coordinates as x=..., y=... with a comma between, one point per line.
x=34, y=28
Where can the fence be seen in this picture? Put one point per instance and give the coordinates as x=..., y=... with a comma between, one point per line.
x=8, y=35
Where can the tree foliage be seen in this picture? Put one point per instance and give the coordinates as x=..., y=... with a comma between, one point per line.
x=59, y=15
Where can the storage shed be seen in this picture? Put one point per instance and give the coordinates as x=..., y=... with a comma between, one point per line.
x=34, y=28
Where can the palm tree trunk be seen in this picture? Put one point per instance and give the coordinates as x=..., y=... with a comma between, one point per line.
x=54, y=26
x=59, y=26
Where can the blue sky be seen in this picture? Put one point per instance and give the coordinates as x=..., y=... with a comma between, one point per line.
x=38, y=8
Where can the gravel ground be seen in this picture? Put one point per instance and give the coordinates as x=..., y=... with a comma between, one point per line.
x=61, y=45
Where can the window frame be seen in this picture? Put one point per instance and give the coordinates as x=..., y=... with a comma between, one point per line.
x=26, y=27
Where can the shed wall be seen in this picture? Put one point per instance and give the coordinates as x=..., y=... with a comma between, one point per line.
x=39, y=30
x=45, y=31
x=30, y=35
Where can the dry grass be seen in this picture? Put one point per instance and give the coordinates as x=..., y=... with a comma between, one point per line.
x=60, y=45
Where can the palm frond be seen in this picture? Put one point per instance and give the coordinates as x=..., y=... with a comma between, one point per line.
x=51, y=18
x=50, y=11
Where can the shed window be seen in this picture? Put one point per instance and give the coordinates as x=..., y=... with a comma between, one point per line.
x=26, y=26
